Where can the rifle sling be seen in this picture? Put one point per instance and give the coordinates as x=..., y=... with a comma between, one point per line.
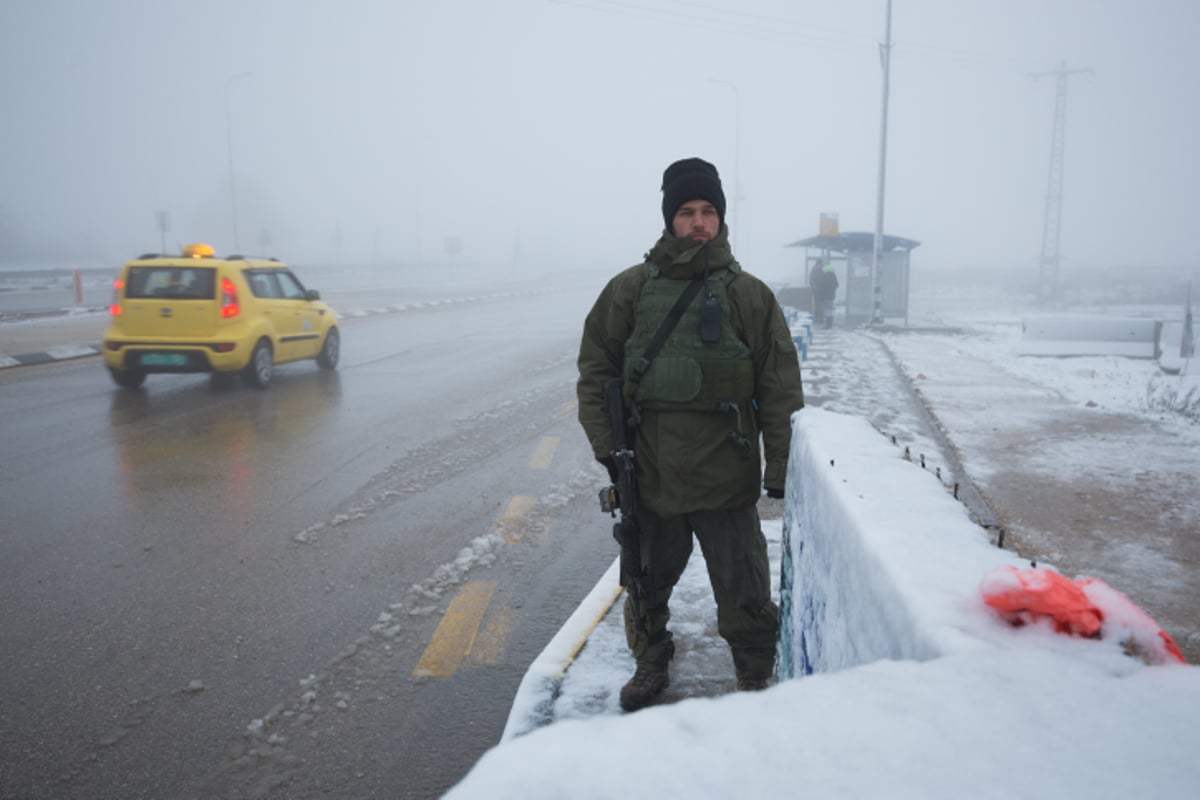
x=642, y=365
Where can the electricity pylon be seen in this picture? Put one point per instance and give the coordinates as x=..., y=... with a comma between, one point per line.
x=1048, y=285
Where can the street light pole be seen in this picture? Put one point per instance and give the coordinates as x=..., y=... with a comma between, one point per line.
x=737, y=147
x=885, y=52
x=229, y=133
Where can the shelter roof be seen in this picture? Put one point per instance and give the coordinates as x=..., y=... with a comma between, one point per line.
x=856, y=243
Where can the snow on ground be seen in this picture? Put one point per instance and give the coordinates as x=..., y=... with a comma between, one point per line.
x=1129, y=385
x=923, y=691
x=917, y=689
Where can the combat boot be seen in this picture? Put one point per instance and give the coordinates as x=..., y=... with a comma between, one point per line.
x=751, y=683
x=641, y=689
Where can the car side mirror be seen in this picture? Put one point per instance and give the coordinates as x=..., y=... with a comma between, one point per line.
x=312, y=294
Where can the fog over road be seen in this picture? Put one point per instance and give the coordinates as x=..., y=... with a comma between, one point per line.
x=329, y=587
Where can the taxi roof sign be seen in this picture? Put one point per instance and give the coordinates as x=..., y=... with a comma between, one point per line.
x=198, y=251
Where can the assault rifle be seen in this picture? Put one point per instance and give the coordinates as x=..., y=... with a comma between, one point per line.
x=622, y=497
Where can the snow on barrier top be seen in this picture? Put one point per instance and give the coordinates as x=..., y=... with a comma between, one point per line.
x=1175, y=352
x=884, y=562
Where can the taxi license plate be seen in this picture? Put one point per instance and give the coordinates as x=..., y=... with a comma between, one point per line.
x=163, y=359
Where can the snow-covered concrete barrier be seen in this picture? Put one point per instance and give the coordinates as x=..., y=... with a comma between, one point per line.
x=1177, y=345
x=1090, y=336
x=879, y=560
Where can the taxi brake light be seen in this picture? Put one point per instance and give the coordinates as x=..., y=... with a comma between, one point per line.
x=229, y=299
x=115, y=307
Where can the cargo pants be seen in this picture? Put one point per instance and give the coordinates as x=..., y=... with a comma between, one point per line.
x=735, y=553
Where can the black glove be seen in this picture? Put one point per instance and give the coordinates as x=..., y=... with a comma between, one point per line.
x=774, y=494
x=610, y=464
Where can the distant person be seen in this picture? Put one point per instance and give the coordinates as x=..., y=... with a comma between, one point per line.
x=725, y=376
x=826, y=290
x=814, y=280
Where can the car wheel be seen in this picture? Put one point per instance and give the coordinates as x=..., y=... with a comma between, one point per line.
x=330, y=350
x=127, y=378
x=262, y=365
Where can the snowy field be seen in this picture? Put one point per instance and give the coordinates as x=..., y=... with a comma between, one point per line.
x=1132, y=385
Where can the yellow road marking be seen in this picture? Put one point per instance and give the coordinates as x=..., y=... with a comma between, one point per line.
x=512, y=522
x=544, y=453
x=458, y=633
x=492, y=638
x=455, y=634
x=567, y=409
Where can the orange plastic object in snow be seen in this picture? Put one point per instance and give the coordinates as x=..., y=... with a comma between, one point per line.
x=1023, y=596
x=1083, y=607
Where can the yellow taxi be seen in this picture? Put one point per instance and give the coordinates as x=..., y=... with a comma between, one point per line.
x=196, y=312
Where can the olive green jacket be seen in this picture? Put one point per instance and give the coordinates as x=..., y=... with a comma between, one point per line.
x=685, y=459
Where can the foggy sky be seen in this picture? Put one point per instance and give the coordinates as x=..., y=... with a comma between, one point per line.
x=536, y=131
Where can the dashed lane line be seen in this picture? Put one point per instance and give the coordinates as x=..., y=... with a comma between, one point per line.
x=544, y=455
x=492, y=640
x=459, y=634
x=455, y=634
x=512, y=521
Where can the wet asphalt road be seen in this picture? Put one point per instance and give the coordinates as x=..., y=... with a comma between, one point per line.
x=328, y=589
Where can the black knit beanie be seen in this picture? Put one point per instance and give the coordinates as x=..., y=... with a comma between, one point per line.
x=687, y=180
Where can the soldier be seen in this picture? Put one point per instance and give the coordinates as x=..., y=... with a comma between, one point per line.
x=827, y=286
x=814, y=283
x=725, y=376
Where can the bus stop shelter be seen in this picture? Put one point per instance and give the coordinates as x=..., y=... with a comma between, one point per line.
x=850, y=254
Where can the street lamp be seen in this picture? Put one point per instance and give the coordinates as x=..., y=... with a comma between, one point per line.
x=885, y=51
x=737, y=146
x=229, y=133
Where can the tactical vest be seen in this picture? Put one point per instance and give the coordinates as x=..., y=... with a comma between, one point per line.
x=689, y=374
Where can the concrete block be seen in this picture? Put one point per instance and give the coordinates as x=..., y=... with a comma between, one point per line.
x=1090, y=336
